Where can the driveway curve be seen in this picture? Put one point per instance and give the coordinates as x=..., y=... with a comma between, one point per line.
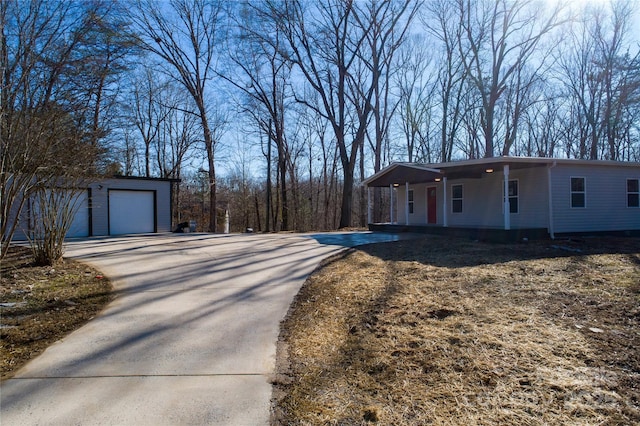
x=189, y=340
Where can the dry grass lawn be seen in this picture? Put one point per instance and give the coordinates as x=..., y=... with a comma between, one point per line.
x=442, y=331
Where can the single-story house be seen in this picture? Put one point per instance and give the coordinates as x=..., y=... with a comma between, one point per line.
x=117, y=206
x=542, y=196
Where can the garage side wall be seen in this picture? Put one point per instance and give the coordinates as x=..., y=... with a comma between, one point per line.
x=100, y=202
x=79, y=226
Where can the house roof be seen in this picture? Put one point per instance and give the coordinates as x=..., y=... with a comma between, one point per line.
x=399, y=173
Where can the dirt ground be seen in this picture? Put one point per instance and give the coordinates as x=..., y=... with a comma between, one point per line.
x=443, y=331
x=39, y=305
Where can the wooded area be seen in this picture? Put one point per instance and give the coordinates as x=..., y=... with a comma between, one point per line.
x=277, y=109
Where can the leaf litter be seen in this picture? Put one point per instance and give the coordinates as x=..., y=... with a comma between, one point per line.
x=40, y=305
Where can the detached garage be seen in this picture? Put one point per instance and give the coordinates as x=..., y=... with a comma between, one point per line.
x=116, y=206
x=127, y=205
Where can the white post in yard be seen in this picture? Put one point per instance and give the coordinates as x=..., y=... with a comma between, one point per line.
x=369, y=206
x=406, y=203
x=507, y=210
x=445, y=215
x=391, y=203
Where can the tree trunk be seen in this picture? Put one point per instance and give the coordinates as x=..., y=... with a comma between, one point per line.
x=208, y=141
x=268, y=204
x=282, y=169
x=362, y=190
x=347, y=196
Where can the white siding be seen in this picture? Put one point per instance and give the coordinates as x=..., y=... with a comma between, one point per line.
x=533, y=206
x=482, y=203
x=80, y=225
x=419, y=216
x=606, y=199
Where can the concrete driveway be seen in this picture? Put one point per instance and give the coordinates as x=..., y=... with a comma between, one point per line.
x=190, y=338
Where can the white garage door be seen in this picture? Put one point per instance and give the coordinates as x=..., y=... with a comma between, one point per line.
x=131, y=212
x=80, y=225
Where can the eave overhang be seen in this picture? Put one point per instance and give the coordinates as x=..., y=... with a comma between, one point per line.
x=401, y=173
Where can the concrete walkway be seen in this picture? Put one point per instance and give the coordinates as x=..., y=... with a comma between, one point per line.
x=189, y=340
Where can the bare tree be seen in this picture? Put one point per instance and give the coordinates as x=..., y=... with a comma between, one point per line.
x=110, y=47
x=265, y=74
x=601, y=78
x=179, y=133
x=184, y=34
x=325, y=156
x=387, y=24
x=52, y=210
x=149, y=111
x=416, y=101
x=128, y=152
x=620, y=75
x=580, y=76
x=324, y=50
x=43, y=47
x=497, y=38
x=329, y=44
x=451, y=75
x=543, y=127
x=521, y=93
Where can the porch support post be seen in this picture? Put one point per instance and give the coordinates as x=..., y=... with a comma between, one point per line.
x=550, y=197
x=369, y=206
x=507, y=210
x=445, y=213
x=406, y=203
x=391, y=203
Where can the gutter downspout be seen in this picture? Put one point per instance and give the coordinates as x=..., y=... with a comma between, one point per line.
x=550, y=202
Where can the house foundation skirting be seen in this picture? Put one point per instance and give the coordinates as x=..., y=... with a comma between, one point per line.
x=481, y=234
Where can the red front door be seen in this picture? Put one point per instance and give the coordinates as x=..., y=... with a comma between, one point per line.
x=431, y=205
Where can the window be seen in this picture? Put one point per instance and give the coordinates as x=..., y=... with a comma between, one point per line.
x=411, y=201
x=456, y=198
x=578, y=192
x=513, y=196
x=633, y=192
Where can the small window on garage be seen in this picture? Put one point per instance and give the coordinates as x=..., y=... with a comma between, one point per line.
x=633, y=192
x=410, y=201
x=456, y=198
x=578, y=192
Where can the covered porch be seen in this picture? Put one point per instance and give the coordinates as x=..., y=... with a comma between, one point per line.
x=467, y=198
